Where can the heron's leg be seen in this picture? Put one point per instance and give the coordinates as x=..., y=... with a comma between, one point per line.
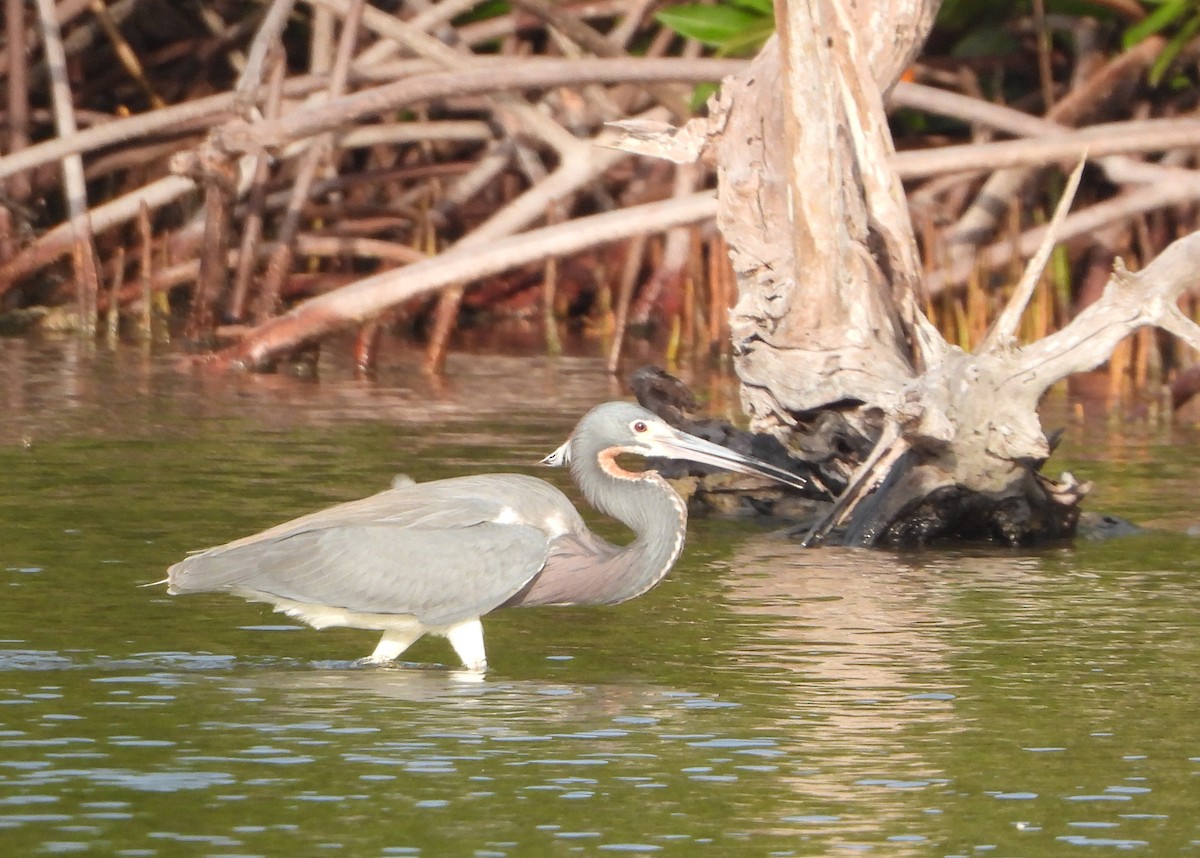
x=393, y=642
x=467, y=639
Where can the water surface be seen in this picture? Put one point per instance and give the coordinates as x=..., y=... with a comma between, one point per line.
x=763, y=701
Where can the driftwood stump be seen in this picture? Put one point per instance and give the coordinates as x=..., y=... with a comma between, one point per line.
x=828, y=323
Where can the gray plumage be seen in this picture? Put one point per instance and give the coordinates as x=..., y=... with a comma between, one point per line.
x=434, y=557
x=353, y=555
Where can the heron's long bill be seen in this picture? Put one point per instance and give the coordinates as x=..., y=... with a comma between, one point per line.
x=670, y=443
x=680, y=445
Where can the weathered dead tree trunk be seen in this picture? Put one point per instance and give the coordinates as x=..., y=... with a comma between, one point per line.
x=939, y=441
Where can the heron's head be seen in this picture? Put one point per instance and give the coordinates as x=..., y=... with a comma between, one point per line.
x=613, y=428
x=622, y=427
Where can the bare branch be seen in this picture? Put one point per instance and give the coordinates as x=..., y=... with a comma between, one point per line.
x=1112, y=138
x=86, y=276
x=268, y=35
x=307, y=121
x=1130, y=301
x=1004, y=330
x=1175, y=322
x=374, y=294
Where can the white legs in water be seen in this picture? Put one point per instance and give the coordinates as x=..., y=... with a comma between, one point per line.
x=393, y=642
x=466, y=638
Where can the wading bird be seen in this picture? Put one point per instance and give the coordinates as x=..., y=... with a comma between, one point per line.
x=432, y=558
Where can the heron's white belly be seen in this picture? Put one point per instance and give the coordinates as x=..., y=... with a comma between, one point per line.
x=326, y=616
x=399, y=630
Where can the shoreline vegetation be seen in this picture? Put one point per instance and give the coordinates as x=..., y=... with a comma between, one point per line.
x=249, y=177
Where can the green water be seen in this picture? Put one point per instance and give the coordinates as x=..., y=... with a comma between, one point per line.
x=763, y=701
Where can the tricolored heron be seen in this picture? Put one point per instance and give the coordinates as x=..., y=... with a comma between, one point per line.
x=432, y=558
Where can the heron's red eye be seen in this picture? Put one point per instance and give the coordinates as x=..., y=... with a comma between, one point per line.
x=640, y=426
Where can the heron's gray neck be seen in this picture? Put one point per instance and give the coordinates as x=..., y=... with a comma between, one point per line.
x=650, y=508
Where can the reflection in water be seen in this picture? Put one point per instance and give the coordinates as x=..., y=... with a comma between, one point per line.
x=993, y=682
x=50, y=388
x=856, y=641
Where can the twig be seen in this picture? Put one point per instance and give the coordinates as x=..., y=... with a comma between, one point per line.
x=212, y=109
x=220, y=188
x=321, y=42
x=633, y=264
x=428, y=19
x=125, y=52
x=1004, y=330
x=146, y=270
x=113, y=315
x=86, y=276
x=246, y=91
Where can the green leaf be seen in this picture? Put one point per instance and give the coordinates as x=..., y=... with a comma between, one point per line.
x=1161, y=17
x=748, y=41
x=763, y=7
x=712, y=25
x=1173, y=48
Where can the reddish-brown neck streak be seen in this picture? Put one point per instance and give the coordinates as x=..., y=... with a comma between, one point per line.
x=608, y=463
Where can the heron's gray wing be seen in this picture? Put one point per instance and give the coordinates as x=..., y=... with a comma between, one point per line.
x=452, y=503
x=438, y=575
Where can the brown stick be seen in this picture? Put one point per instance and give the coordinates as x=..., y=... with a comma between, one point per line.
x=220, y=188
x=306, y=173
x=634, y=251
x=252, y=223
x=267, y=37
x=146, y=271
x=19, y=187
x=125, y=52
x=1004, y=329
